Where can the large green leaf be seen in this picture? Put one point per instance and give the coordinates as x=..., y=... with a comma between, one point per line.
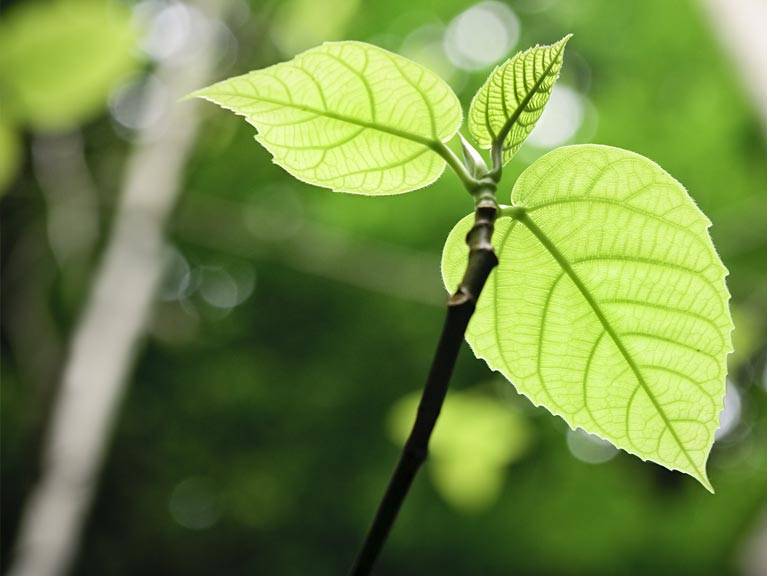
x=59, y=59
x=348, y=116
x=512, y=99
x=609, y=306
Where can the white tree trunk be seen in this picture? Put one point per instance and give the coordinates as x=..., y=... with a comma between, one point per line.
x=113, y=320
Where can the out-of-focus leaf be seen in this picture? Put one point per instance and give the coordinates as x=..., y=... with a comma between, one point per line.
x=512, y=99
x=609, y=305
x=59, y=59
x=475, y=438
x=348, y=116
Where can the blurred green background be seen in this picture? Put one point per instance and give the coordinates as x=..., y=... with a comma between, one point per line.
x=294, y=326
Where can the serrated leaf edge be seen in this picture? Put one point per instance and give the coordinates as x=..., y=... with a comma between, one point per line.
x=436, y=144
x=702, y=476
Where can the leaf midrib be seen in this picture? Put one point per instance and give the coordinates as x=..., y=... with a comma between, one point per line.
x=526, y=100
x=547, y=243
x=429, y=143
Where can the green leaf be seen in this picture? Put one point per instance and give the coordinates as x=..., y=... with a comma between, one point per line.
x=609, y=306
x=512, y=99
x=348, y=116
x=59, y=60
x=472, y=159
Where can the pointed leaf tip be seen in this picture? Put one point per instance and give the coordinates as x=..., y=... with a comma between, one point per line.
x=609, y=305
x=706, y=484
x=505, y=110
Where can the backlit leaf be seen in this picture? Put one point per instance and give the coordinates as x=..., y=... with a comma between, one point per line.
x=512, y=99
x=609, y=306
x=348, y=116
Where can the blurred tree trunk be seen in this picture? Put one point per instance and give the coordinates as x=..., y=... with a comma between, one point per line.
x=740, y=27
x=114, y=318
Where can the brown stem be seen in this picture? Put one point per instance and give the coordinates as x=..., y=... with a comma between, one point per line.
x=460, y=307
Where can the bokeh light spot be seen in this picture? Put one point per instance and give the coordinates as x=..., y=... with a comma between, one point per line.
x=425, y=45
x=132, y=105
x=560, y=120
x=176, y=281
x=194, y=504
x=730, y=416
x=167, y=31
x=481, y=36
x=226, y=288
x=589, y=448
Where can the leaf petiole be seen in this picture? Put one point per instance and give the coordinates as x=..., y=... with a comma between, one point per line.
x=515, y=212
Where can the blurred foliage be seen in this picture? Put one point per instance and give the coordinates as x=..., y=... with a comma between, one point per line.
x=253, y=437
x=60, y=58
x=302, y=24
x=468, y=470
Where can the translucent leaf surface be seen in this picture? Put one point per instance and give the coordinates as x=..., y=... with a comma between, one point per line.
x=609, y=306
x=348, y=116
x=59, y=60
x=512, y=99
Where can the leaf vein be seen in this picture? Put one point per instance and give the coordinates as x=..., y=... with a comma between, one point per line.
x=586, y=293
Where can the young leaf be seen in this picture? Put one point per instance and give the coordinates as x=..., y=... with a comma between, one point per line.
x=472, y=159
x=512, y=99
x=609, y=306
x=348, y=116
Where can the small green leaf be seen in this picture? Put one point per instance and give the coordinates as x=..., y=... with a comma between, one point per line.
x=609, y=306
x=512, y=99
x=348, y=116
x=59, y=60
x=472, y=159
